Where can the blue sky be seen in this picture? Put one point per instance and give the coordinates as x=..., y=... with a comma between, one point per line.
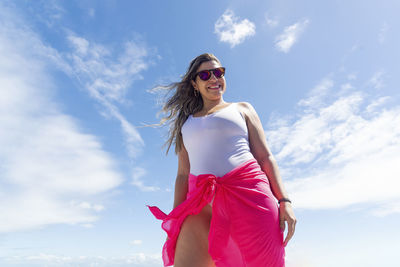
x=77, y=168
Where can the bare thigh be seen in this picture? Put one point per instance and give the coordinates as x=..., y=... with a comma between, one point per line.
x=192, y=244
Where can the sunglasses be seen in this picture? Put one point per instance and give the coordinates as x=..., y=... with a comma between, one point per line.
x=205, y=75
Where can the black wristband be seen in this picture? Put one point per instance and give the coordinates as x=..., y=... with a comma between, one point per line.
x=284, y=200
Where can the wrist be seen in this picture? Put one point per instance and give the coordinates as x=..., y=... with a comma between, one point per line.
x=284, y=200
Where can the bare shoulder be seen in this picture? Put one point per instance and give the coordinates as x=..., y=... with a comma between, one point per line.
x=246, y=109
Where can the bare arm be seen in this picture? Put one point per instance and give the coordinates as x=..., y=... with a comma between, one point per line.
x=181, y=182
x=267, y=162
x=261, y=151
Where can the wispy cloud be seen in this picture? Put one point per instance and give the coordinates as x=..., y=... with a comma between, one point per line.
x=375, y=105
x=49, y=13
x=136, y=242
x=107, y=73
x=383, y=32
x=271, y=22
x=46, y=259
x=107, y=79
x=342, y=150
x=317, y=94
x=91, y=12
x=51, y=171
x=352, y=76
x=387, y=208
x=230, y=29
x=137, y=174
x=290, y=35
x=376, y=80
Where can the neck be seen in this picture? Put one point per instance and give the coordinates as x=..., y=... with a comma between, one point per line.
x=209, y=104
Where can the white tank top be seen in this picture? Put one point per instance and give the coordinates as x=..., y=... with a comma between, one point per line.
x=218, y=142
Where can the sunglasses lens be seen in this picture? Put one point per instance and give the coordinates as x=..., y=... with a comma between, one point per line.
x=218, y=72
x=204, y=75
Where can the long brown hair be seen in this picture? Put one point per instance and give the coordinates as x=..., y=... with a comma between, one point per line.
x=183, y=102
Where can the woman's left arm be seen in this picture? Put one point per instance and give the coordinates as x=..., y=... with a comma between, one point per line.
x=264, y=157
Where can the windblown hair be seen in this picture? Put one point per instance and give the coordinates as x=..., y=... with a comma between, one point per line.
x=183, y=102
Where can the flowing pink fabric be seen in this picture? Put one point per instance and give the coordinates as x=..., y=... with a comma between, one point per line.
x=244, y=229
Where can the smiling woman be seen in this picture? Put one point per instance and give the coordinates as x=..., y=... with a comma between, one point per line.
x=225, y=211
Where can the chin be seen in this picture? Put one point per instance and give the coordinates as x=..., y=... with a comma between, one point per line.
x=215, y=97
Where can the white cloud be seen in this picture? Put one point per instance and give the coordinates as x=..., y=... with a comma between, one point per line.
x=232, y=30
x=341, y=151
x=137, y=174
x=387, y=208
x=290, y=36
x=51, y=171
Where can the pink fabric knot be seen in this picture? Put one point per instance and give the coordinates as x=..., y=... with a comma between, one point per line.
x=207, y=183
x=244, y=227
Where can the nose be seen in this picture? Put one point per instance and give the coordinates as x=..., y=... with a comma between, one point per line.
x=213, y=77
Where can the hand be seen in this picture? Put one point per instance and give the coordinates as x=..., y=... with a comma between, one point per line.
x=286, y=214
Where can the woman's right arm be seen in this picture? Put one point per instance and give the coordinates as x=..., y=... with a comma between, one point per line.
x=181, y=182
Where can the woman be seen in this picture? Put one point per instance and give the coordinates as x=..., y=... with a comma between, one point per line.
x=225, y=212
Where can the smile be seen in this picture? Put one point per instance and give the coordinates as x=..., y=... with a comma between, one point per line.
x=215, y=87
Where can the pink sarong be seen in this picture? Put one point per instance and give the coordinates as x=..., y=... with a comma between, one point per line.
x=244, y=229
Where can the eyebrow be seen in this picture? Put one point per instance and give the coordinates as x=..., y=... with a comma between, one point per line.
x=210, y=69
